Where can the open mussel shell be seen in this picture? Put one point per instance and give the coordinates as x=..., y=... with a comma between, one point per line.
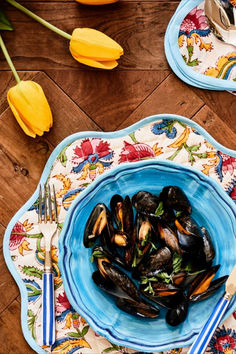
x=95, y=225
x=191, y=244
x=121, y=280
x=208, y=245
x=154, y=263
x=122, y=213
x=214, y=286
x=141, y=309
x=145, y=202
x=168, y=302
x=202, y=283
x=187, y=225
x=169, y=237
x=103, y=253
x=174, y=198
x=178, y=314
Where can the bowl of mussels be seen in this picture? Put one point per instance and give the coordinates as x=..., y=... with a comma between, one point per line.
x=145, y=251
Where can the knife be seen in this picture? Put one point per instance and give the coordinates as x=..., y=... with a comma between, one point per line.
x=201, y=342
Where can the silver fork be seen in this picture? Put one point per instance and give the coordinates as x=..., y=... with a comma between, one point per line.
x=48, y=227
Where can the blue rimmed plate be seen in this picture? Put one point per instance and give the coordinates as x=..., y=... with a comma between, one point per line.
x=212, y=208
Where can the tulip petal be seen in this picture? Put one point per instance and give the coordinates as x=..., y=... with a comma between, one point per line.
x=26, y=129
x=90, y=43
x=97, y=64
x=31, y=105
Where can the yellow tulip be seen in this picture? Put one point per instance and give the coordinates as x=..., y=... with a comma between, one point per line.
x=94, y=48
x=30, y=107
x=96, y=2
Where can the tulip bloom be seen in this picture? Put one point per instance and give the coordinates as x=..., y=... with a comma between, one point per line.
x=96, y=2
x=88, y=46
x=30, y=107
x=94, y=48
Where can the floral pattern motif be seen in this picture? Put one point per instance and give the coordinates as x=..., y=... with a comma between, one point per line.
x=202, y=51
x=165, y=139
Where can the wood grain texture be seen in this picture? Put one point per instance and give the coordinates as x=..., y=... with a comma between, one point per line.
x=216, y=127
x=82, y=99
x=8, y=287
x=171, y=96
x=108, y=97
x=139, y=27
x=11, y=341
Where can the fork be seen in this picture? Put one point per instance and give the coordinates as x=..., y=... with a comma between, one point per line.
x=48, y=227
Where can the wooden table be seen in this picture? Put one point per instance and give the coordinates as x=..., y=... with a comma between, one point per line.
x=85, y=99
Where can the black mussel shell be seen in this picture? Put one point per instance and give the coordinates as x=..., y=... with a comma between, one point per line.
x=141, y=309
x=214, y=286
x=191, y=244
x=145, y=202
x=208, y=246
x=95, y=224
x=121, y=280
x=168, y=302
x=160, y=289
x=122, y=212
x=169, y=237
x=128, y=216
x=175, y=198
x=186, y=224
x=177, y=315
x=179, y=278
x=112, y=257
x=108, y=285
x=154, y=263
x=116, y=205
x=202, y=282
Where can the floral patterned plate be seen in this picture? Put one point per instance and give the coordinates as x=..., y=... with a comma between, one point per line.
x=75, y=163
x=195, y=54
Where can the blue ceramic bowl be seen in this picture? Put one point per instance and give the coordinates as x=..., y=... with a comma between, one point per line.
x=212, y=208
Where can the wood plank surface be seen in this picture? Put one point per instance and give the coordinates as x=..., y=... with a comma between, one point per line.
x=138, y=26
x=82, y=99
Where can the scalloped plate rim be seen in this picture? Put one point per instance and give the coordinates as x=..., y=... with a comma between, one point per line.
x=108, y=331
x=211, y=83
x=68, y=140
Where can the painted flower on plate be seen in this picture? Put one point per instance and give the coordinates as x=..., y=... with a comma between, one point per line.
x=92, y=157
x=18, y=237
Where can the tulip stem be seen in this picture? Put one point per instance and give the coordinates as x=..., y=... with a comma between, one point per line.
x=9, y=61
x=39, y=19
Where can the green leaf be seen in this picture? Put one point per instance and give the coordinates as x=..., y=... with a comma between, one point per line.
x=74, y=334
x=159, y=210
x=32, y=271
x=96, y=254
x=62, y=156
x=191, y=159
x=5, y=24
x=149, y=289
x=194, y=147
x=84, y=331
x=177, y=261
x=165, y=276
x=178, y=213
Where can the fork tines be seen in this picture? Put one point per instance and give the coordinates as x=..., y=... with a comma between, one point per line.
x=47, y=204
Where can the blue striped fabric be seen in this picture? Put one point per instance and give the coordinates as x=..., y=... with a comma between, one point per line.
x=201, y=342
x=48, y=310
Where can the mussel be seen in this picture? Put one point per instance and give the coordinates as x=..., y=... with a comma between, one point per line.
x=121, y=280
x=174, y=198
x=208, y=245
x=141, y=309
x=178, y=314
x=169, y=237
x=202, y=287
x=145, y=202
x=122, y=212
x=157, y=262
